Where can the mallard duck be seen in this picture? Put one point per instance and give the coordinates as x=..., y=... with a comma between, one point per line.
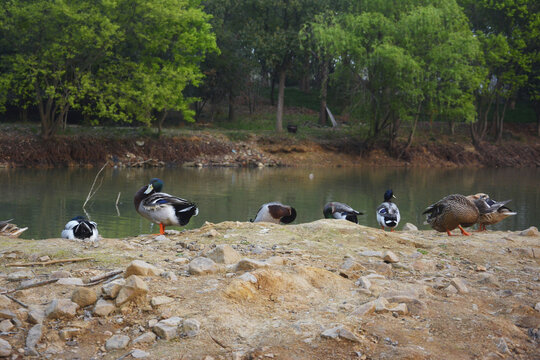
x=11, y=230
x=451, y=212
x=275, y=212
x=388, y=212
x=161, y=208
x=491, y=211
x=80, y=228
x=339, y=210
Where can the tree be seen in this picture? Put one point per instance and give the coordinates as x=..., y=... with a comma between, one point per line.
x=126, y=60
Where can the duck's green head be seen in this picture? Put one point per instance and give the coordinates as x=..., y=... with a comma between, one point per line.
x=389, y=195
x=155, y=185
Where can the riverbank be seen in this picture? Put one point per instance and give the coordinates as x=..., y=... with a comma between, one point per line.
x=19, y=147
x=235, y=290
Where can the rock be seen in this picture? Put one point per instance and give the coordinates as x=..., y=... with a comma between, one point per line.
x=249, y=264
x=84, y=296
x=103, y=307
x=537, y=306
x=134, y=288
x=341, y=332
x=424, y=265
x=365, y=309
x=364, y=282
x=20, y=275
x=169, y=275
x=532, y=231
x=5, y=348
x=390, y=257
x=61, y=308
x=400, y=309
x=190, y=327
x=381, y=304
x=370, y=253
x=459, y=284
x=160, y=300
x=212, y=233
x=480, y=268
x=409, y=227
x=117, y=342
x=36, y=316
x=6, y=325
x=167, y=329
x=33, y=337
x=450, y=290
x=247, y=276
x=488, y=279
x=70, y=281
x=69, y=333
x=139, y=267
x=146, y=338
x=275, y=260
x=139, y=354
x=60, y=274
x=111, y=290
x=202, y=265
x=4, y=301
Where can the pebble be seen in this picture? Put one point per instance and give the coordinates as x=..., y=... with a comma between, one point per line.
x=5, y=348
x=36, y=316
x=532, y=231
x=60, y=274
x=400, y=309
x=20, y=275
x=410, y=227
x=69, y=333
x=249, y=277
x=139, y=354
x=134, y=288
x=161, y=300
x=147, y=337
x=34, y=335
x=103, y=307
x=111, y=290
x=537, y=306
x=70, y=281
x=61, y=308
x=141, y=268
x=202, y=265
x=370, y=253
x=117, y=342
x=169, y=275
x=249, y=264
x=459, y=284
x=390, y=257
x=167, y=329
x=190, y=327
x=6, y=325
x=424, y=265
x=84, y=296
x=364, y=282
x=341, y=332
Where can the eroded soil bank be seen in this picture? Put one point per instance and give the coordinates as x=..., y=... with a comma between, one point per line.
x=329, y=289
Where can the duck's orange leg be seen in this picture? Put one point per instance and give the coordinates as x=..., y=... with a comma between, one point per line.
x=161, y=229
x=448, y=232
x=391, y=229
x=382, y=227
x=463, y=231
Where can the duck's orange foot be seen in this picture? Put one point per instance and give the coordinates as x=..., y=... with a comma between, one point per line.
x=463, y=231
x=448, y=232
x=161, y=229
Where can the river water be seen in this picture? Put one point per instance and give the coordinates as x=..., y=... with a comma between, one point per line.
x=44, y=200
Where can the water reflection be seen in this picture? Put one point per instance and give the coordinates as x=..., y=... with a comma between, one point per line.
x=44, y=200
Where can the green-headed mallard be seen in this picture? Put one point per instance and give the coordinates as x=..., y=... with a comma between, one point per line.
x=162, y=208
x=339, y=210
x=388, y=212
x=491, y=211
x=451, y=212
x=275, y=212
x=80, y=228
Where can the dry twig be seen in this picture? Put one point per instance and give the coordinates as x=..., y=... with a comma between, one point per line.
x=29, y=286
x=93, y=192
x=50, y=262
x=16, y=300
x=98, y=279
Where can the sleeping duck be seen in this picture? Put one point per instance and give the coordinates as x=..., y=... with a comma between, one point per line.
x=339, y=210
x=275, y=212
x=79, y=228
x=9, y=229
x=451, y=212
x=388, y=212
x=491, y=211
x=161, y=208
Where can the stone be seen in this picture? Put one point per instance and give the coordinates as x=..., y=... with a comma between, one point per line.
x=249, y=277
x=249, y=264
x=111, y=290
x=139, y=354
x=409, y=227
x=371, y=253
x=364, y=282
x=341, y=332
x=275, y=260
x=450, y=290
x=459, y=284
x=117, y=342
x=36, y=316
x=6, y=325
x=365, y=309
x=400, y=309
x=60, y=274
x=160, y=300
x=190, y=327
x=69, y=333
x=211, y=233
x=167, y=329
x=424, y=265
x=70, y=281
x=224, y=254
x=169, y=275
x=537, y=306
x=146, y=338
x=33, y=337
x=202, y=265
x=103, y=307
x=381, y=304
x=134, y=288
x=532, y=231
x=5, y=348
x=488, y=279
x=84, y=296
x=5, y=301
x=139, y=267
x=61, y=308
x=20, y=275
x=390, y=257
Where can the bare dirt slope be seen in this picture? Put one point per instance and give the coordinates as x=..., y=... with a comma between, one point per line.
x=319, y=290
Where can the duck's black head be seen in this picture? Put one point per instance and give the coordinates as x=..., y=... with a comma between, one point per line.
x=388, y=195
x=78, y=218
x=155, y=185
x=289, y=218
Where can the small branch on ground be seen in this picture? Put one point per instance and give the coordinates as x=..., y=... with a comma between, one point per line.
x=16, y=300
x=98, y=279
x=29, y=286
x=50, y=262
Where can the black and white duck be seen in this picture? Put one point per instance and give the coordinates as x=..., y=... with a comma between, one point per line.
x=388, y=213
x=337, y=210
x=79, y=228
x=275, y=212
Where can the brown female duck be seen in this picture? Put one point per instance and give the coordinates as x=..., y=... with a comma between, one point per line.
x=491, y=211
x=452, y=211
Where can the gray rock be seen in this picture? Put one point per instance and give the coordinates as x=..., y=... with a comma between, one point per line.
x=167, y=329
x=70, y=281
x=60, y=274
x=169, y=275
x=249, y=277
x=117, y=342
x=36, y=316
x=537, y=306
x=532, y=231
x=6, y=325
x=249, y=264
x=424, y=265
x=409, y=227
x=224, y=254
x=61, y=308
x=146, y=338
x=341, y=332
x=33, y=337
x=141, y=268
x=364, y=282
x=390, y=257
x=381, y=305
x=160, y=300
x=134, y=288
x=103, y=307
x=139, y=354
x=459, y=284
x=5, y=348
x=111, y=290
x=20, y=275
x=370, y=253
x=202, y=265
x=84, y=296
x=400, y=309
x=365, y=309
x=191, y=327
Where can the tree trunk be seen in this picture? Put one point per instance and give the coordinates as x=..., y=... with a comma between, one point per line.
x=324, y=91
x=452, y=125
x=272, y=88
x=537, y=110
x=281, y=98
x=160, y=122
x=500, y=122
x=411, y=134
x=231, y=107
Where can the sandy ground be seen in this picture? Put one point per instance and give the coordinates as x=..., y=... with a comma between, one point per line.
x=466, y=297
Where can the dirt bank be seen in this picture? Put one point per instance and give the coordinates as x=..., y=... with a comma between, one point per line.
x=319, y=290
x=210, y=148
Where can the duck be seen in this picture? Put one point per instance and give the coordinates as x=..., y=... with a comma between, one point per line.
x=9, y=229
x=79, y=228
x=337, y=210
x=275, y=212
x=452, y=211
x=491, y=211
x=387, y=212
x=162, y=208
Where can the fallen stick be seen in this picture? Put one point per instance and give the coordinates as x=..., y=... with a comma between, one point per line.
x=29, y=286
x=16, y=300
x=50, y=262
x=125, y=355
x=98, y=279
x=217, y=342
